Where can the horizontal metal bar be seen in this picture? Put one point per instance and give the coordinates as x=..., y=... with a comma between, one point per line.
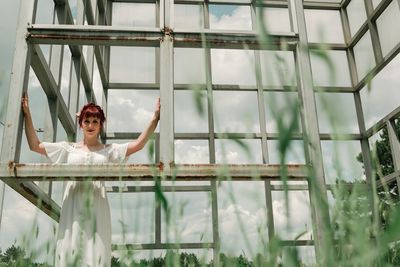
x=147, y=189
x=344, y=136
x=234, y=39
x=141, y=86
x=328, y=46
x=161, y=246
x=228, y=87
x=321, y=5
x=93, y=35
x=179, y=172
x=124, y=136
x=334, y=89
x=127, y=36
x=290, y=243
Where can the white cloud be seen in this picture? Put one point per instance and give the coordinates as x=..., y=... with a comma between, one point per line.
x=134, y=14
x=191, y=151
x=239, y=19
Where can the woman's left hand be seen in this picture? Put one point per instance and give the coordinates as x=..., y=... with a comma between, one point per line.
x=157, y=111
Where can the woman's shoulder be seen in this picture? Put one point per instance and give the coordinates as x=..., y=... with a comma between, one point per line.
x=68, y=146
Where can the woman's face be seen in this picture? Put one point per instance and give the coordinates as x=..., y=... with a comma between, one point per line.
x=91, y=126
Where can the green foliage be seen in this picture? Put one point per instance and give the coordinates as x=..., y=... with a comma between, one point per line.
x=383, y=152
x=15, y=256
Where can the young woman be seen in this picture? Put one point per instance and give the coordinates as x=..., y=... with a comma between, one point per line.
x=84, y=231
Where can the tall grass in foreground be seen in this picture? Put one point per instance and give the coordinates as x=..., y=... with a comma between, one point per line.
x=359, y=236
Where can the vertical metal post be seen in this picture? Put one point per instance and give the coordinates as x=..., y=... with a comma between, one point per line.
x=11, y=145
x=211, y=143
x=167, y=90
x=317, y=187
x=395, y=148
x=76, y=67
x=2, y=193
x=365, y=151
x=376, y=45
x=18, y=84
x=263, y=127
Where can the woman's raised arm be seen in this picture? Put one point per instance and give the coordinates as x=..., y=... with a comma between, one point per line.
x=139, y=143
x=33, y=140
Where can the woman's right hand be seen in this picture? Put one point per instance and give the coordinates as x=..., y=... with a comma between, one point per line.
x=25, y=103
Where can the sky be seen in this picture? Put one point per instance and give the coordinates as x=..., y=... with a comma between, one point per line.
x=240, y=205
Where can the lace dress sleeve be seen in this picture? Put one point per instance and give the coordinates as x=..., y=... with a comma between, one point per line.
x=57, y=152
x=117, y=153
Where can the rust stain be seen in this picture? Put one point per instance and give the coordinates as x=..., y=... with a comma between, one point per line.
x=167, y=30
x=161, y=166
x=11, y=165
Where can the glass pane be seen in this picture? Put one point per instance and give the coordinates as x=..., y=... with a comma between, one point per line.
x=336, y=113
x=277, y=19
x=37, y=105
x=137, y=107
x=294, y=154
x=236, y=112
x=184, y=70
x=299, y=220
x=190, y=218
x=230, y=17
x=375, y=3
x=240, y=70
x=282, y=106
x=357, y=15
x=132, y=217
x=188, y=118
x=238, y=151
x=364, y=56
x=66, y=75
x=192, y=152
x=134, y=14
x=324, y=26
x=44, y=12
x=9, y=18
x=242, y=216
x=383, y=95
x=277, y=68
x=389, y=35
x=188, y=17
x=330, y=68
x=132, y=64
x=341, y=162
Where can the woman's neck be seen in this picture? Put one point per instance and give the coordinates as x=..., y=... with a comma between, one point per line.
x=91, y=142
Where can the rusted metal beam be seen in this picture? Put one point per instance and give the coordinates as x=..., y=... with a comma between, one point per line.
x=31, y=192
x=127, y=36
x=116, y=172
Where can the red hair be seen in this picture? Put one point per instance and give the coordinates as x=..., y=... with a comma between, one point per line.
x=92, y=110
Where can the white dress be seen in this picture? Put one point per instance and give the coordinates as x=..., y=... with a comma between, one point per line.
x=84, y=231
